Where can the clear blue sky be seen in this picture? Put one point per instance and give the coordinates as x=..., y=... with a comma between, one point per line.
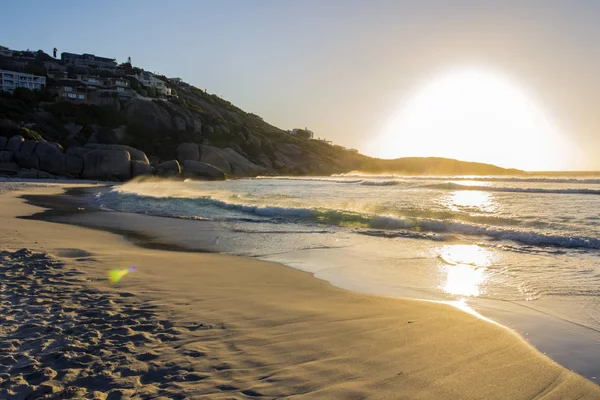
x=340, y=68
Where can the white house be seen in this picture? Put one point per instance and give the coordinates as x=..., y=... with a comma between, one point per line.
x=10, y=80
x=149, y=80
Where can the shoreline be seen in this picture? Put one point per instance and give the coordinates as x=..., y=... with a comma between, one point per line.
x=572, y=348
x=447, y=374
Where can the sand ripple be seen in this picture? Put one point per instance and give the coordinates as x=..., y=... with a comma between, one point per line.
x=59, y=338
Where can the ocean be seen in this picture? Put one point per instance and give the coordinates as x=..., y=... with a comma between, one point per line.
x=523, y=251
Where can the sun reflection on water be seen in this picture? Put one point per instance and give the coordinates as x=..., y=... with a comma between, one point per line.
x=473, y=200
x=465, y=269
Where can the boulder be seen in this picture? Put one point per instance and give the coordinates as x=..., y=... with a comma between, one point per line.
x=34, y=174
x=73, y=164
x=188, y=151
x=168, y=168
x=3, y=141
x=29, y=146
x=253, y=142
x=73, y=129
x=57, y=145
x=9, y=168
x=14, y=143
x=148, y=116
x=27, y=160
x=134, y=153
x=140, y=168
x=179, y=123
x=154, y=160
x=211, y=155
x=51, y=158
x=241, y=166
x=265, y=160
x=198, y=169
x=106, y=164
x=78, y=151
x=6, y=156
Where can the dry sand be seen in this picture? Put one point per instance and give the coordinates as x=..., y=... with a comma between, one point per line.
x=190, y=325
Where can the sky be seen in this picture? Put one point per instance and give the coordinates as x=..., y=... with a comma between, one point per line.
x=347, y=69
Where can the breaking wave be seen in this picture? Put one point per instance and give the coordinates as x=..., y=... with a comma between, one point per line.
x=388, y=226
x=456, y=186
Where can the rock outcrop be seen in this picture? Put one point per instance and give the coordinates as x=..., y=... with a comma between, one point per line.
x=168, y=168
x=212, y=156
x=188, y=151
x=135, y=154
x=148, y=116
x=140, y=168
x=28, y=147
x=25, y=160
x=14, y=143
x=107, y=164
x=6, y=156
x=51, y=158
x=198, y=169
x=9, y=168
x=240, y=165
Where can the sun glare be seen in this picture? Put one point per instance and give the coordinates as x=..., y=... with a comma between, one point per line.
x=475, y=115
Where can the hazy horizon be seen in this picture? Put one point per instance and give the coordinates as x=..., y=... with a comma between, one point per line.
x=510, y=84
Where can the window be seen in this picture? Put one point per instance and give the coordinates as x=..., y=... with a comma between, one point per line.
x=72, y=95
x=80, y=96
x=68, y=89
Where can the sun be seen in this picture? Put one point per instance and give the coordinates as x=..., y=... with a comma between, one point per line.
x=475, y=115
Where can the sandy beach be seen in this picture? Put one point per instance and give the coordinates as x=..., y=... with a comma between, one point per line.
x=193, y=325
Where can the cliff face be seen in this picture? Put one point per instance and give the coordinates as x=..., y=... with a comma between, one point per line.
x=237, y=142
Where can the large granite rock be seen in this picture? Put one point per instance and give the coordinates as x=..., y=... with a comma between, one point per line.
x=27, y=160
x=240, y=165
x=51, y=158
x=148, y=116
x=168, y=168
x=14, y=143
x=211, y=155
x=140, y=168
x=188, y=151
x=79, y=151
x=6, y=156
x=9, y=169
x=3, y=141
x=134, y=153
x=105, y=164
x=34, y=174
x=28, y=147
x=198, y=169
x=73, y=164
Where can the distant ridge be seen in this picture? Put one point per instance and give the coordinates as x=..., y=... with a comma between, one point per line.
x=435, y=166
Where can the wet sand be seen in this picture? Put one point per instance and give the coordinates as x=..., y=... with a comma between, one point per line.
x=202, y=325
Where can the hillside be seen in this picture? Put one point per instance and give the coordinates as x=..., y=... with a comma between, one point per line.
x=214, y=130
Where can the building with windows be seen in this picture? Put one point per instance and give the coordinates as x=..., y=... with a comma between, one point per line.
x=10, y=80
x=149, y=80
x=88, y=60
x=71, y=90
x=5, y=51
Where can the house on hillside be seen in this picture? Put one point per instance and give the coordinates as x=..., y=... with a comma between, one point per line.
x=72, y=90
x=310, y=134
x=10, y=80
x=5, y=52
x=88, y=60
x=148, y=79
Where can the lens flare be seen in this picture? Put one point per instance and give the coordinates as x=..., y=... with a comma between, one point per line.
x=115, y=275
